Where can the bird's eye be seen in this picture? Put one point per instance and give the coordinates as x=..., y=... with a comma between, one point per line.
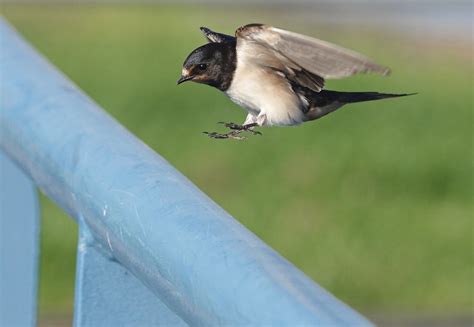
x=202, y=67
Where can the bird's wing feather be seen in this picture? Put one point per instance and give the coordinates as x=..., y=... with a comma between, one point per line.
x=215, y=37
x=261, y=55
x=314, y=56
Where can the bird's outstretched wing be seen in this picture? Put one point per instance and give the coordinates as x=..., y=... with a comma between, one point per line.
x=215, y=37
x=303, y=59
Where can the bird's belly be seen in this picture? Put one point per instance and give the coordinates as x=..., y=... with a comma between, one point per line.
x=245, y=100
x=259, y=94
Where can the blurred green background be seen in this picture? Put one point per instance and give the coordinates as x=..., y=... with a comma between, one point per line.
x=374, y=201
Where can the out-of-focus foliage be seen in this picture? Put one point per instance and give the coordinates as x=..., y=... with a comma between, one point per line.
x=373, y=201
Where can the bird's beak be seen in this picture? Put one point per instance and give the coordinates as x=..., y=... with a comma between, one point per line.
x=184, y=78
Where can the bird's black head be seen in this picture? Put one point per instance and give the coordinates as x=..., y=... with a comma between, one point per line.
x=212, y=64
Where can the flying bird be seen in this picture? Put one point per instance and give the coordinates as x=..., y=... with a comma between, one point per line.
x=277, y=76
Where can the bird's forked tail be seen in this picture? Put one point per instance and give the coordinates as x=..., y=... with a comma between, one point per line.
x=325, y=102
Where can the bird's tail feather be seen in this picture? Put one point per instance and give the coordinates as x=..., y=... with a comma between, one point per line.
x=325, y=102
x=350, y=97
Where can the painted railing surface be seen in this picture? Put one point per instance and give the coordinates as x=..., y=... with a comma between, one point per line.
x=153, y=249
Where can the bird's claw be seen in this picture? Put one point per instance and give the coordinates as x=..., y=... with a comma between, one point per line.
x=235, y=131
x=230, y=135
x=242, y=128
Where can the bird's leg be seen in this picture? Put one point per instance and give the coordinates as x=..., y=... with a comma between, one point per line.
x=261, y=119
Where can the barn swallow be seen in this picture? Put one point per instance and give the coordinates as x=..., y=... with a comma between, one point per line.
x=277, y=76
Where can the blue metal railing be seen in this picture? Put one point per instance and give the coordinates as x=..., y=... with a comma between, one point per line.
x=153, y=249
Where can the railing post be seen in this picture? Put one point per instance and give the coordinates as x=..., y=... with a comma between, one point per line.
x=19, y=246
x=107, y=294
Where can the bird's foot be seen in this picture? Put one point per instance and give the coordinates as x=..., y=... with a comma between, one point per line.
x=235, y=131
x=230, y=135
x=242, y=128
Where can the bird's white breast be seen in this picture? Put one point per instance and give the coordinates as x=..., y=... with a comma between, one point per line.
x=262, y=90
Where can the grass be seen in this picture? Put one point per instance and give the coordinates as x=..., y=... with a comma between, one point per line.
x=374, y=202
